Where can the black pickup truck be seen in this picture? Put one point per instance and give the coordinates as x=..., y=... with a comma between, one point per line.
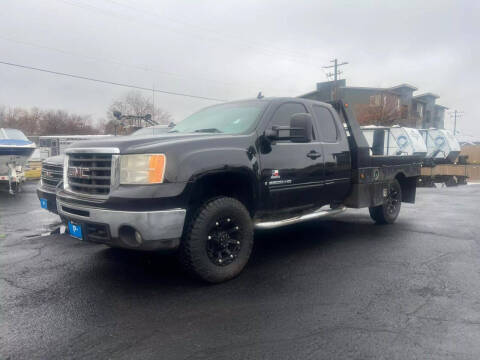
x=202, y=188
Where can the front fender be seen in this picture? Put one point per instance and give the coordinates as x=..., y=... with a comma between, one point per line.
x=196, y=164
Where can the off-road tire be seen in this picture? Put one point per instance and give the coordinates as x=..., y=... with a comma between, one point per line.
x=195, y=250
x=385, y=213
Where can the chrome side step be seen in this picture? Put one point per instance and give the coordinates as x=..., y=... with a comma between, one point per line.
x=294, y=220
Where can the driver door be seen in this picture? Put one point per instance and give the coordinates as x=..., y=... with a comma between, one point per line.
x=292, y=172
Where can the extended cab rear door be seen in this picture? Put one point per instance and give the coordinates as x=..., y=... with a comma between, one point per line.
x=336, y=152
x=291, y=172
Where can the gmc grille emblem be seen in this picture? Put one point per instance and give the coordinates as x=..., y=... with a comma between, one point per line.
x=79, y=172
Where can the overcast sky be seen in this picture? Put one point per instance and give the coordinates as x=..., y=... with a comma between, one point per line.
x=233, y=49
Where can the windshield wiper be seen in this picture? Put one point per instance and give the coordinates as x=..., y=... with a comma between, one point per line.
x=209, y=130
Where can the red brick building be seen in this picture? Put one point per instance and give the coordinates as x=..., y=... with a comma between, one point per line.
x=385, y=106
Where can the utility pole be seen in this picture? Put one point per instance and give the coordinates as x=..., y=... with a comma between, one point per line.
x=455, y=123
x=456, y=115
x=335, y=74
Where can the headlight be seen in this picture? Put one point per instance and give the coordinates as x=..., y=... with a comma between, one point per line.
x=142, y=168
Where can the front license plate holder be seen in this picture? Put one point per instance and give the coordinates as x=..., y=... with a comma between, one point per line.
x=44, y=203
x=75, y=230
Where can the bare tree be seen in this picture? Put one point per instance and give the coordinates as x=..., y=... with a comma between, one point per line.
x=135, y=103
x=59, y=122
x=46, y=122
x=2, y=115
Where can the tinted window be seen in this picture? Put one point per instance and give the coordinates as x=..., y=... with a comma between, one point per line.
x=284, y=113
x=326, y=124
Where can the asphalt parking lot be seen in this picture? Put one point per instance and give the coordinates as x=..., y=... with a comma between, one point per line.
x=341, y=288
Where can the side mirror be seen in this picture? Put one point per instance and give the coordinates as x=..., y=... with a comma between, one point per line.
x=301, y=128
x=278, y=133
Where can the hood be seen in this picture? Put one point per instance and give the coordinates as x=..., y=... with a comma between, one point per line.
x=144, y=144
x=55, y=160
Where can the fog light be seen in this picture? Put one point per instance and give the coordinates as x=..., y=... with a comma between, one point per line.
x=130, y=237
x=138, y=237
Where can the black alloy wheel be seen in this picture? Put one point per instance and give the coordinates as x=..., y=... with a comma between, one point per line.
x=394, y=200
x=224, y=241
x=388, y=212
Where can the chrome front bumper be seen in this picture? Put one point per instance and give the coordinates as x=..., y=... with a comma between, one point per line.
x=156, y=227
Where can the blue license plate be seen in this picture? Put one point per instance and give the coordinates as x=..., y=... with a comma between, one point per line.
x=75, y=230
x=43, y=203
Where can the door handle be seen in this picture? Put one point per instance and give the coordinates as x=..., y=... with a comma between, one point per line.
x=313, y=155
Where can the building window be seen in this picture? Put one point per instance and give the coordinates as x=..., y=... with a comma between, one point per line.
x=375, y=100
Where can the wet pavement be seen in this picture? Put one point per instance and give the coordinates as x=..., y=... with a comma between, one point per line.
x=343, y=288
x=21, y=215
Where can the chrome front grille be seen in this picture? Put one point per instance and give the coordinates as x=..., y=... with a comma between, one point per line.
x=89, y=173
x=52, y=174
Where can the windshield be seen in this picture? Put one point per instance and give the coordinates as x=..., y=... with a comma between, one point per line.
x=230, y=118
x=151, y=131
x=13, y=134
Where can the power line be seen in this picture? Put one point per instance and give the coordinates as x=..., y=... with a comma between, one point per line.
x=109, y=82
x=226, y=36
x=114, y=62
x=74, y=54
x=109, y=12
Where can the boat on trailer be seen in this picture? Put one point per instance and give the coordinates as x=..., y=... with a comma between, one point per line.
x=15, y=150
